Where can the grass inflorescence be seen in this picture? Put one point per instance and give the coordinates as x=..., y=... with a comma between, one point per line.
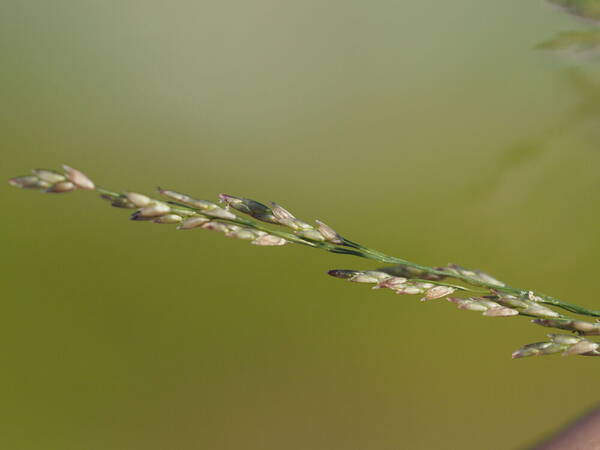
x=273, y=225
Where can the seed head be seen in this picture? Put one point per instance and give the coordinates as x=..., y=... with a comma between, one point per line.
x=313, y=235
x=329, y=233
x=487, y=278
x=138, y=217
x=155, y=209
x=438, y=292
x=138, y=200
x=241, y=233
x=286, y=218
x=402, y=270
x=61, y=187
x=49, y=176
x=29, y=182
x=510, y=301
x=119, y=202
x=486, y=302
x=391, y=283
x=536, y=349
x=583, y=346
x=494, y=309
x=281, y=213
x=501, y=311
x=564, y=339
x=178, y=197
x=468, y=304
x=408, y=290
x=216, y=226
x=187, y=200
x=269, y=240
x=237, y=202
x=79, y=179
x=477, y=274
x=344, y=274
x=250, y=207
x=168, y=219
x=587, y=328
x=219, y=213
x=193, y=222
x=369, y=276
x=537, y=309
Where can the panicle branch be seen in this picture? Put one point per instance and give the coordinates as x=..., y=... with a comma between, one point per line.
x=493, y=297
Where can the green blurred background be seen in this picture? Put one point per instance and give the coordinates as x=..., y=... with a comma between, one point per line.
x=430, y=130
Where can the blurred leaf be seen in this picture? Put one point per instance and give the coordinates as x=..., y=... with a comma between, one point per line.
x=575, y=43
x=588, y=88
x=585, y=9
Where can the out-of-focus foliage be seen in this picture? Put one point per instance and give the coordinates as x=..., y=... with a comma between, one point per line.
x=576, y=43
x=588, y=10
x=583, y=44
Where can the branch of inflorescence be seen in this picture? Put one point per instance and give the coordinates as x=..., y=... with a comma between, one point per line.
x=494, y=298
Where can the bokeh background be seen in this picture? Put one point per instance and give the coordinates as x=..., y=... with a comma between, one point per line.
x=430, y=130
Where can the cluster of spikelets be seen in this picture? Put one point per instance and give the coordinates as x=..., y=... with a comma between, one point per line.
x=54, y=182
x=495, y=305
x=188, y=212
x=495, y=299
x=171, y=212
